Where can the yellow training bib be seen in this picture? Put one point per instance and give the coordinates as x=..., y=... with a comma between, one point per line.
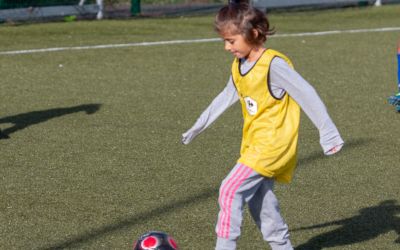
x=271, y=124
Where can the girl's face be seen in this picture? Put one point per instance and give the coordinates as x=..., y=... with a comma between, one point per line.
x=239, y=47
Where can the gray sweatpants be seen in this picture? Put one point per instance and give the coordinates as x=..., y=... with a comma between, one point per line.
x=244, y=185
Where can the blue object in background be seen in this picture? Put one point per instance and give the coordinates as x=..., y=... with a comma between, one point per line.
x=398, y=69
x=395, y=99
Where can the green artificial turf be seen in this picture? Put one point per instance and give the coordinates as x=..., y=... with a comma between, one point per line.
x=94, y=157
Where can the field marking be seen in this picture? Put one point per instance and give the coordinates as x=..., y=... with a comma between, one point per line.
x=108, y=46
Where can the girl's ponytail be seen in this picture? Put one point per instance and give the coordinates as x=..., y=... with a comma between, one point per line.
x=239, y=17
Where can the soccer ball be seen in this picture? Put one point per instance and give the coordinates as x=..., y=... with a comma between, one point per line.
x=155, y=240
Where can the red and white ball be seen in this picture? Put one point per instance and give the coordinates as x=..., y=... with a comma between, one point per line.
x=155, y=240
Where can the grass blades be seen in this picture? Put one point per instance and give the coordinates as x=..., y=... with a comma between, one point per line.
x=94, y=157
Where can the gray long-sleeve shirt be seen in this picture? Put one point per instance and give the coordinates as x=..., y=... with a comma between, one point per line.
x=282, y=79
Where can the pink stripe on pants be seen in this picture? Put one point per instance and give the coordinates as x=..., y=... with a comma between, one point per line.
x=227, y=194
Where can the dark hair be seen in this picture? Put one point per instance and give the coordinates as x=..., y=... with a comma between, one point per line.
x=239, y=17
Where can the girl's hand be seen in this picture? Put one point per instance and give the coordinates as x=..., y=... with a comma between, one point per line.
x=334, y=150
x=187, y=137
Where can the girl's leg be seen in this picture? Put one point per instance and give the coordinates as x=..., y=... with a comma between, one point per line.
x=265, y=211
x=236, y=189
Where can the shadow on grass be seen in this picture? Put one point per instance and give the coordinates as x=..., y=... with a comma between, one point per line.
x=369, y=224
x=349, y=145
x=25, y=120
x=132, y=221
x=141, y=218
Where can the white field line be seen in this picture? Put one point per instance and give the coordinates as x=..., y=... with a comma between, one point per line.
x=107, y=46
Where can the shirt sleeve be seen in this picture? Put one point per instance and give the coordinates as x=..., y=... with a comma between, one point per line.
x=285, y=79
x=222, y=102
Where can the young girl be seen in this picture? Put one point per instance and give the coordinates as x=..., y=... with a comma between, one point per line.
x=270, y=92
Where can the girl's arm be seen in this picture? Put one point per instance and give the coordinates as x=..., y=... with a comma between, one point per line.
x=222, y=102
x=286, y=78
